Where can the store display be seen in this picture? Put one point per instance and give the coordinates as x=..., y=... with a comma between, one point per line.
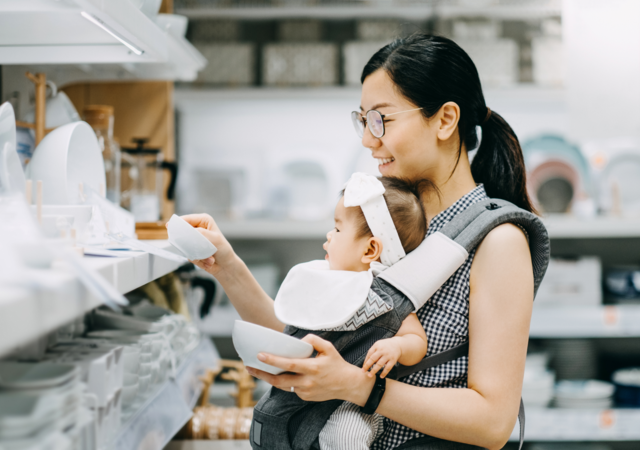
x=622, y=284
x=100, y=117
x=558, y=176
x=573, y=359
x=230, y=63
x=11, y=174
x=575, y=282
x=620, y=185
x=188, y=240
x=250, y=339
x=142, y=182
x=538, y=383
x=584, y=394
x=355, y=55
x=627, y=383
x=81, y=215
x=59, y=109
x=495, y=59
x=300, y=64
x=67, y=161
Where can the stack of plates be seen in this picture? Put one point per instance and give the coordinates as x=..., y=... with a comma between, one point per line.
x=574, y=359
x=538, y=383
x=41, y=401
x=584, y=394
x=570, y=446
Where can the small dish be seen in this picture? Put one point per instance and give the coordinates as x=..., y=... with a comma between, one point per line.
x=19, y=375
x=250, y=339
x=188, y=240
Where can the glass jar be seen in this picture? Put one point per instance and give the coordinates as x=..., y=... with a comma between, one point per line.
x=100, y=117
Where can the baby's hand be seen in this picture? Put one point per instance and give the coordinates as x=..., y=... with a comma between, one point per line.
x=384, y=354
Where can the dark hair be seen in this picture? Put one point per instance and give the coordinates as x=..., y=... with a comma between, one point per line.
x=403, y=200
x=432, y=70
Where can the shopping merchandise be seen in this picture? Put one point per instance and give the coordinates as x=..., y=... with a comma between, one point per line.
x=627, y=383
x=188, y=240
x=558, y=176
x=538, y=383
x=59, y=109
x=250, y=339
x=12, y=177
x=142, y=182
x=573, y=359
x=101, y=119
x=68, y=161
x=289, y=64
x=584, y=394
x=571, y=282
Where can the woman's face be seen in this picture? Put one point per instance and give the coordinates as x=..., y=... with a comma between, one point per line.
x=409, y=147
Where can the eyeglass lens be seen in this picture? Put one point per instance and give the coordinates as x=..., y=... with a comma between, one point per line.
x=374, y=121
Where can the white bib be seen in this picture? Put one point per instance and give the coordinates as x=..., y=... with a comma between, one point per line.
x=313, y=297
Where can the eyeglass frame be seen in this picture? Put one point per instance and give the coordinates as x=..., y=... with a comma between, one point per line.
x=364, y=121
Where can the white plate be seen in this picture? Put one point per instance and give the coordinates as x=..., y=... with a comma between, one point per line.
x=66, y=157
x=11, y=172
x=250, y=339
x=18, y=375
x=188, y=240
x=577, y=390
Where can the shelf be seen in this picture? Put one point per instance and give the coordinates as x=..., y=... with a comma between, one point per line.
x=549, y=424
x=559, y=227
x=56, y=297
x=83, y=34
x=585, y=321
x=166, y=411
x=386, y=10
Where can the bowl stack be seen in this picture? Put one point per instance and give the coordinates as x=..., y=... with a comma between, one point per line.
x=584, y=394
x=538, y=383
x=627, y=383
x=43, y=402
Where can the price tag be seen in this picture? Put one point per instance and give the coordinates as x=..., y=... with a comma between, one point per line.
x=607, y=419
x=611, y=318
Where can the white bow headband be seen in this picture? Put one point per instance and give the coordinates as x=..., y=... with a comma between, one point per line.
x=366, y=192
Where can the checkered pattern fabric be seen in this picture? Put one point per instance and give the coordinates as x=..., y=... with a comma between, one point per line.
x=445, y=318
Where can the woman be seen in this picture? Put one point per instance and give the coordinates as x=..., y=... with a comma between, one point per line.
x=420, y=106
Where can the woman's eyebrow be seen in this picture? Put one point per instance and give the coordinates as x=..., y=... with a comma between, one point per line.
x=378, y=105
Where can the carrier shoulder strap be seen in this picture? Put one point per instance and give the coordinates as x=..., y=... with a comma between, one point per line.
x=423, y=271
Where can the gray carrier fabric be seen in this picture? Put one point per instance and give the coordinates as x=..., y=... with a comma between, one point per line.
x=282, y=421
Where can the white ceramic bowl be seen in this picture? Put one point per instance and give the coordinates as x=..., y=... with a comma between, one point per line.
x=11, y=173
x=129, y=379
x=143, y=383
x=131, y=359
x=66, y=157
x=188, y=240
x=250, y=339
x=129, y=394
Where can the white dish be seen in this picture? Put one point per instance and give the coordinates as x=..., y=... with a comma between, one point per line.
x=188, y=240
x=250, y=339
x=11, y=173
x=66, y=157
x=129, y=394
x=17, y=375
x=122, y=323
x=131, y=359
x=583, y=390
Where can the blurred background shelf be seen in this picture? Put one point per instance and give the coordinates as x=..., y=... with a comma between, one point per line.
x=586, y=321
x=559, y=227
x=550, y=424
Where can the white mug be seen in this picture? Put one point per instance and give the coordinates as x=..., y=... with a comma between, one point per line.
x=59, y=111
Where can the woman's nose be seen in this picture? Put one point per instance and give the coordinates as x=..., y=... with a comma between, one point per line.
x=369, y=140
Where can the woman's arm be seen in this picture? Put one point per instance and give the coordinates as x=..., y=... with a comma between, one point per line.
x=247, y=296
x=485, y=413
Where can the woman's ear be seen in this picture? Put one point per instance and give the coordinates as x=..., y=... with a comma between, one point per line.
x=449, y=116
x=372, y=251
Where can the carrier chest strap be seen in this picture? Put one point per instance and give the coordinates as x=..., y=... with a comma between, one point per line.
x=400, y=371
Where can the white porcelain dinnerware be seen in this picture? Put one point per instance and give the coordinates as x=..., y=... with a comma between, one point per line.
x=66, y=158
x=250, y=339
x=188, y=240
x=81, y=215
x=23, y=375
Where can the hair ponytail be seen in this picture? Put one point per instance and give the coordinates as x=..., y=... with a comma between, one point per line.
x=499, y=164
x=432, y=70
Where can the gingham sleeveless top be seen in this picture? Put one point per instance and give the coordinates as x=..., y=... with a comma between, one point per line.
x=445, y=318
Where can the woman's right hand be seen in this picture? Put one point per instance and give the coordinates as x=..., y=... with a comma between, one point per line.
x=205, y=224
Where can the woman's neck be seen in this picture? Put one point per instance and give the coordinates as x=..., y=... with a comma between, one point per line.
x=451, y=187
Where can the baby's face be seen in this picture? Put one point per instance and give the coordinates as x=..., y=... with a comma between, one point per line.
x=344, y=249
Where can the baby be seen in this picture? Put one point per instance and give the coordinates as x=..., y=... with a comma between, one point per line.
x=377, y=221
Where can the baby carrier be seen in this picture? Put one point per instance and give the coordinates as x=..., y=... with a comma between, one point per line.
x=282, y=421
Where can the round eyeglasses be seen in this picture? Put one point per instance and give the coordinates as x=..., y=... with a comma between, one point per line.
x=374, y=119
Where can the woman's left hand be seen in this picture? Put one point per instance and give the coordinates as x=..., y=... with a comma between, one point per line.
x=326, y=377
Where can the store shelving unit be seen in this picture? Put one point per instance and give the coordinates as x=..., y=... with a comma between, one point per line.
x=169, y=407
x=559, y=227
x=56, y=296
